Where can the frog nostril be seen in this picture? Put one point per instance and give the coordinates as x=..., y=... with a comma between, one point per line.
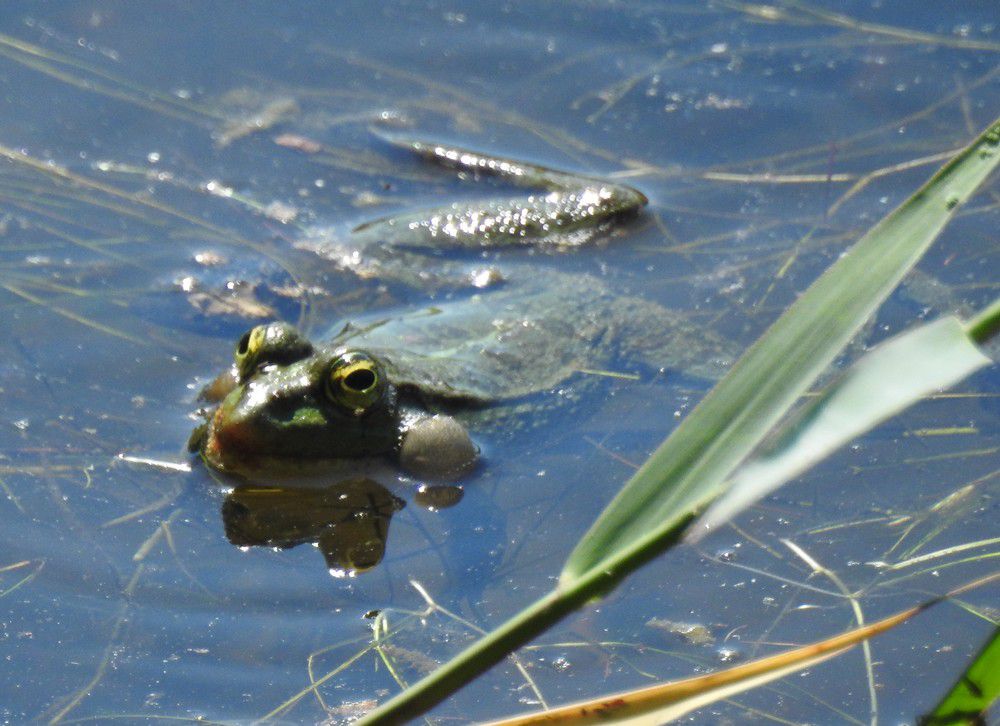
x=360, y=380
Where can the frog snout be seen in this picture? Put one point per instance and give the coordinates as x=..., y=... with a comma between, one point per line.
x=225, y=438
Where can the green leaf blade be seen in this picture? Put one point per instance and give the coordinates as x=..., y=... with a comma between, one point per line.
x=891, y=377
x=689, y=469
x=974, y=692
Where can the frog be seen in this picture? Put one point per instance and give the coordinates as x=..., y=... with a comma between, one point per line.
x=407, y=387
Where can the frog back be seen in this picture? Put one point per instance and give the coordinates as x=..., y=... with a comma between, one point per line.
x=525, y=339
x=488, y=348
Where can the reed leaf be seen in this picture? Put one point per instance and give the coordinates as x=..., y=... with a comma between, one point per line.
x=974, y=692
x=672, y=700
x=894, y=375
x=690, y=468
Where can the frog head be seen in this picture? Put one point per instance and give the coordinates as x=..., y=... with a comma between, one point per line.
x=292, y=404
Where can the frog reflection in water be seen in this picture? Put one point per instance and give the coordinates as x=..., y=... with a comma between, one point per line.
x=348, y=521
x=405, y=387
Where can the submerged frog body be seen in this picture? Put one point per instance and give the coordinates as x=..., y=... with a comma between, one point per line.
x=406, y=387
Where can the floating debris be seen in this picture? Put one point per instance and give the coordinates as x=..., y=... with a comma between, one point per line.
x=273, y=113
x=281, y=212
x=362, y=200
x=299, y=143
x=239, y=299
x=210, y=258
x=693, y=633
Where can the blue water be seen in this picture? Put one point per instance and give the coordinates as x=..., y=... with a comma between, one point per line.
x=120, y=593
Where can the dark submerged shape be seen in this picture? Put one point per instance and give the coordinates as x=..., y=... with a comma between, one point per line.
x=564, y=212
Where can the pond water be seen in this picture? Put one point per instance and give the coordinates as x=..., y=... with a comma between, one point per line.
x=167, y=171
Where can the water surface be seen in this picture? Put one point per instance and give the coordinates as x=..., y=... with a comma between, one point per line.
x=154, y=205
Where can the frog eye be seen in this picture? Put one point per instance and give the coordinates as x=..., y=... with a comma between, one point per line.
x=355, y=381
x=271, y=344
x=247, y=350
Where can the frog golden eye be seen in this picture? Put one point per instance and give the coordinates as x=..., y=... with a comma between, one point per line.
x=355, y=382
x=274, y=343
x=248, y=349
